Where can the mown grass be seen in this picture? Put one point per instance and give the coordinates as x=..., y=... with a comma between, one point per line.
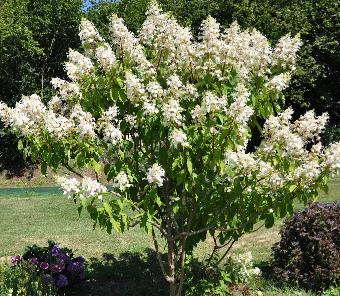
x=33, y=218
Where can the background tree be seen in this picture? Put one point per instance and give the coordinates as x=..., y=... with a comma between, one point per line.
x=35, y=36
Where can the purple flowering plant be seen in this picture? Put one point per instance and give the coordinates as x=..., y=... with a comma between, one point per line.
x=58, y=265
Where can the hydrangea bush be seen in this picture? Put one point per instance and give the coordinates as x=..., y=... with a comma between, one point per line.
x=58, y=266
x=169, y=119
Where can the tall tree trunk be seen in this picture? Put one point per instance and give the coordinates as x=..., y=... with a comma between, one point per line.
x=171, y=268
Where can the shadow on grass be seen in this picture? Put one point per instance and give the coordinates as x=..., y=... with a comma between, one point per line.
x=129, y=274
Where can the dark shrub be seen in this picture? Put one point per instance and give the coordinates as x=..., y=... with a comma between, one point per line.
x=309, y=251
x=55, y=264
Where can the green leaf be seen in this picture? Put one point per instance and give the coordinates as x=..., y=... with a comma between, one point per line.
x=115, y=225
x=108, y=208
x=269, y=221
x=96, y=166
x=189, y=166
x=292, y=188
x=20, y=145
x=43, y=168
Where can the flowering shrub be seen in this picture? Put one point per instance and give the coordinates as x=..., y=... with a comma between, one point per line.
x=57, y=265
x=309, y=250
x=168, y=120
x=22, y=280
x=236, y=271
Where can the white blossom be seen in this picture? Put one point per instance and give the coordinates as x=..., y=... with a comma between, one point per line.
x=70, y=186
x=88, y=32
x=106, y=56
x=279, y=82
x=91, y=188
x=155, y=175
x=121, y=181
x=172, y=112
x=58, y=125
x=284, y=54
x=178, y=137
x=239, y=111
x=78, y=65
x=112, y=134
x=84, y=122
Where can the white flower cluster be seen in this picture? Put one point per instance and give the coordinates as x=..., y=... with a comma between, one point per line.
x=84, y=122
x=284, y=54
x=178, y=137
x=246, y=266
x=106, y=56
x=67, y=90
x=27, y=117
x=128, y=44
x=155, y=175
x=88, y=33
x=163, y=34
x=84, y=188
x=78, y=65
x=121, y=181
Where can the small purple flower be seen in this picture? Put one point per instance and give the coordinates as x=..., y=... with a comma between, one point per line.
x=34, y=261
x=56, y=267
x=55, y=250
x=80, y=259
x=15, y=260
x=44, y=265
x=61, y=281
x=75, y=267
x=63, y=256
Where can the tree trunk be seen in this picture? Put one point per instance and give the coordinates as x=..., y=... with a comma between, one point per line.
x=171, y=268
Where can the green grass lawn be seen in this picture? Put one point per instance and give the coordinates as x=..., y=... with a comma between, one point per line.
x=33, y=218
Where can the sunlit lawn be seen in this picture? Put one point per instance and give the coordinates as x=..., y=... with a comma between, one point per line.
x=28, y=219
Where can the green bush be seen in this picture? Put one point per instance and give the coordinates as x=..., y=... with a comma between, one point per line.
x=20, y=280
x=308, y=253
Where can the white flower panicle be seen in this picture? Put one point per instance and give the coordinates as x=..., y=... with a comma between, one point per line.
x=78, y=65
x=284, y=54
x=91, y=188
x=58, y=125
x=239, y=111
x=5, y=114
x=332, y=158
x=179, y=138
x=212, y=103
x=128, y=44
x=70, y=186
x=279, y=82
x=155, y=90
x=67, y=90
x=155, y=175
x=84, y=122
x=309, y=126
x=308, y=172
x=172, y=113
x=106, y=56
x=241, y=161
x=135, y=90
x=88, y=33
x=162, y=33
x=28, y=115
x=112, y=134
x=121, y=181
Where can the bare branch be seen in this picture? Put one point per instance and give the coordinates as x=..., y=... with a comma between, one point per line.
x=159, y=258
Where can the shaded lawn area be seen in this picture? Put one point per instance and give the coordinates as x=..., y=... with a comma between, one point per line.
x=30, y=218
